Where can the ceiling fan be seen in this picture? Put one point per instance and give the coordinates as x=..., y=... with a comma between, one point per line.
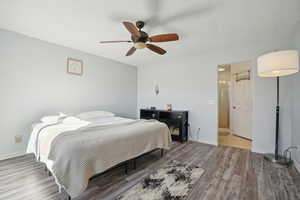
x=140, y=39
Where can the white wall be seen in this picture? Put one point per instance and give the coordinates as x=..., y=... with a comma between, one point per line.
x=34, y=82
x=296, y=108
x=190, y=82
x=296, y=118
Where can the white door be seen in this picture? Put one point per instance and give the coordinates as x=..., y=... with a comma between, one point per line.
x=241, y=108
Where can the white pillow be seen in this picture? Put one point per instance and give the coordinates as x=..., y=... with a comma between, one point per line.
x=53, y=118
x=75, y=121
x=71, y=120
x=94, y=114
x=34, y=124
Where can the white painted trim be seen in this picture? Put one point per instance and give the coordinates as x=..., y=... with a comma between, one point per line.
x=202, y=141
x=260, y=150
x=297, y=165
x=12, y=155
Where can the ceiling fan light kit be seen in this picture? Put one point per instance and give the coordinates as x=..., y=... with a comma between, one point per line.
x=141, y=40
x=139, y=45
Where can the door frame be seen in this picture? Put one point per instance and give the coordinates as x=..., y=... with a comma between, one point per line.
x=252, y=74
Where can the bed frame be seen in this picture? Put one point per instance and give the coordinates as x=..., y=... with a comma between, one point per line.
x=126, y=164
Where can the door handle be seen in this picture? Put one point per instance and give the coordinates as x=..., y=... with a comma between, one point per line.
x=233, y=107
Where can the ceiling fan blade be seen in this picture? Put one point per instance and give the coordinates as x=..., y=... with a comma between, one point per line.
x=164, y=37
x=131, y=51
x=114, y=41
x=132, y=29
x=156, y=49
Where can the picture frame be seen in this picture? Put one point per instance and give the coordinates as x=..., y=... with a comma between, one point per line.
x=74, y=66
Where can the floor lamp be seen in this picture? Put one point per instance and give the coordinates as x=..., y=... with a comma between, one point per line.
x=276, y=64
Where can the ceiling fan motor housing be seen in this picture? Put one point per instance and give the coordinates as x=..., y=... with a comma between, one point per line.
x=143, y=38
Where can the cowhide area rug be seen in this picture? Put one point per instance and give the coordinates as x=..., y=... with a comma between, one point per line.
x=173, y=182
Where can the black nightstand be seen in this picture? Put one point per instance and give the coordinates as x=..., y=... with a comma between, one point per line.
x=176, y=120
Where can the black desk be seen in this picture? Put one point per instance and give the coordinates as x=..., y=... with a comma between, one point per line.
x=176, y=120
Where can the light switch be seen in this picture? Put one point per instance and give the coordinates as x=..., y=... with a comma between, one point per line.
x=211, y=102
x=18, y=138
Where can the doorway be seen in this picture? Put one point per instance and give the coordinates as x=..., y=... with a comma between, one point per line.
x=235, y=105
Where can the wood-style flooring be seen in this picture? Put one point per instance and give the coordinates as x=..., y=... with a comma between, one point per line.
x=226, y=138
x=230, y=173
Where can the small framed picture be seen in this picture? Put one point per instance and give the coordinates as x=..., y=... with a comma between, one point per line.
x=74, y=66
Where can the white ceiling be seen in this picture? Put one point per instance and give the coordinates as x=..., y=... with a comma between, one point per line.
x=203, y=25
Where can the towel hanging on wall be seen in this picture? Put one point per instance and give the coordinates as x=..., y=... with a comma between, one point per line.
x=242, y=76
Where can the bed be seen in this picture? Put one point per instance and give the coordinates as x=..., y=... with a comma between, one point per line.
x=74, y=151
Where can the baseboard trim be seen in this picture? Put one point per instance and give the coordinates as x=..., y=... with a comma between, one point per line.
x=260, y=150
x=12, y=155
x=201, y=141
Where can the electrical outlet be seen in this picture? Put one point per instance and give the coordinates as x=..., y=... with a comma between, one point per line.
x=18, y=138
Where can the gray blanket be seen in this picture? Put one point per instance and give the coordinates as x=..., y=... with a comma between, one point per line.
x=78, y=155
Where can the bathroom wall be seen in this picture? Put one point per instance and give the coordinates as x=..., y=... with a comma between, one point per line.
x=224, y=96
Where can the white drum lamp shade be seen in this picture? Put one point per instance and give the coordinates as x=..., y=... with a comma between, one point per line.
x=279, y=63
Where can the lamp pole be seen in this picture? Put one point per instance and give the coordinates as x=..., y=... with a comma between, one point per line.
x=277, y=122
x=276, y=158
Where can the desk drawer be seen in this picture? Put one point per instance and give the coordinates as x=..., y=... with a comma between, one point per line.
x=171, y=115
x=148, y=114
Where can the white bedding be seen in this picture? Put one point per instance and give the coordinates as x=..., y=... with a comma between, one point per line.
x=57, y=128
x=43, y=130
x=142, y=137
